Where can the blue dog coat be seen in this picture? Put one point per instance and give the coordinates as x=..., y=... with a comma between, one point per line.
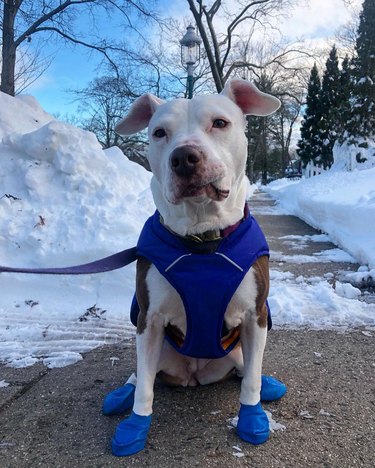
x=205, y=282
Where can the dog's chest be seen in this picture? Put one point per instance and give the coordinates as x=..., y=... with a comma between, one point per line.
x=202, y=295
x=165, y=300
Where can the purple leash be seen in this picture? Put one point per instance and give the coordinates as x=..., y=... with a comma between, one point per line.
x=113, y=262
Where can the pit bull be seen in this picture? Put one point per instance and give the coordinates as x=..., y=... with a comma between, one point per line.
x=202, y=271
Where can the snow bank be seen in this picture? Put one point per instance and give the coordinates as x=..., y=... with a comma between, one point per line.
x=315, y=304
x=21, y=112
x=353, y=157
x=63, y=201
x=342, y=204
x=66, y=199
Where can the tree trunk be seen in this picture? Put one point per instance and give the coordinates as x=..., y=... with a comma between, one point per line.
x=216, y=75
x=250, y=153
x=250, y=170
x=9, y=48
x=264, y=152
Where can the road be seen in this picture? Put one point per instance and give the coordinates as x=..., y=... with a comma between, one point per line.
x=52, y=417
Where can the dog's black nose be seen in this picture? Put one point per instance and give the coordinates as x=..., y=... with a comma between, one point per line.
x=185, y=160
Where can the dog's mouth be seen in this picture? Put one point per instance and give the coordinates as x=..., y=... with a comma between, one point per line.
x=209, y=190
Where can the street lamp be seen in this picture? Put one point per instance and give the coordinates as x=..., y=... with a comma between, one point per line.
x=190, y=55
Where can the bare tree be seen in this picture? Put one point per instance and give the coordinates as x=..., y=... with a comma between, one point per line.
x=31, y=64
x=103, y=102
x=346, y=36
x=22, y=19
x=220, y=47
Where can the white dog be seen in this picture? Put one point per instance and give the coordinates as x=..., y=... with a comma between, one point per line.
x=202, y=272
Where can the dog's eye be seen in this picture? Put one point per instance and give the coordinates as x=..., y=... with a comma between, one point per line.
x=159, y=133
x=219, y=123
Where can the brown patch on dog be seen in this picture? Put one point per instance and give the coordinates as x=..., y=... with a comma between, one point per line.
x=262, y=278
x=175, y=334
x=143, y=265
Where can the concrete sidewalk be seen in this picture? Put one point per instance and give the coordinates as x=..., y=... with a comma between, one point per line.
x=52, y=418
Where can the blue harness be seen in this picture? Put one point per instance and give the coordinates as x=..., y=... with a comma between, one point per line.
x=205, y=281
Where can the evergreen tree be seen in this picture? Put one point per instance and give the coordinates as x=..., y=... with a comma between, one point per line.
x=329, y=105
x=309, y=146
x=361, y=127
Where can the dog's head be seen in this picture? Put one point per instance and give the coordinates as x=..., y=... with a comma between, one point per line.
x=198, y=147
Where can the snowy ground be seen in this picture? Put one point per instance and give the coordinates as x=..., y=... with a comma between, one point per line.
x=64, y=201
x=341, y=204
x=311, y=301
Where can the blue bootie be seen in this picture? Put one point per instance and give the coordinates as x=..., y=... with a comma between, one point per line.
x=119, y=400
x=122, y=398
x=131, y=435
x=271, y=389
x=253, y=425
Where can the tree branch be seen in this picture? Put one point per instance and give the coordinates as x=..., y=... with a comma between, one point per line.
x=202, y=31
x=48, y=16
x=214, y=9
x=101, y=49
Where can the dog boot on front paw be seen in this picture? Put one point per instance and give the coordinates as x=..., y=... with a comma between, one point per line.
x=272, y=389
x=119, y=400
x=131, y=435
x=253, y=425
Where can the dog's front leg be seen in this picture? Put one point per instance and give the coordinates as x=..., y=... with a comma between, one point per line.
x=131, y=434
x=253, y=423
x=149, y=346
x=253, y=341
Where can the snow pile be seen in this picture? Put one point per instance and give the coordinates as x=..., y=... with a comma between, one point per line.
x=315, y=303
x=341, y=204
x=65, y=198
x=63, y=201
x=363, y=276
x=353, y=157
x=21, y=112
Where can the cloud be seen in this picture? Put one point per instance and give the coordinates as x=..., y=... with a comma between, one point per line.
x=318, y=19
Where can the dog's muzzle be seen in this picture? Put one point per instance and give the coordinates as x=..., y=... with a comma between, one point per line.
x=194, y=176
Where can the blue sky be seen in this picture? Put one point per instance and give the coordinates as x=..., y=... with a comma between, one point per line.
x=72, y=68
x=75, y=67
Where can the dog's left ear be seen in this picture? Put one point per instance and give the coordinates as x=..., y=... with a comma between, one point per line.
x=139, y=115
x=248, y=97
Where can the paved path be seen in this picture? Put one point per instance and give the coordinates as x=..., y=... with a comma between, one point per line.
x=287, y=236
x=52, y=418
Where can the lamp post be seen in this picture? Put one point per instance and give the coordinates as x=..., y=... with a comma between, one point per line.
x=190, y=55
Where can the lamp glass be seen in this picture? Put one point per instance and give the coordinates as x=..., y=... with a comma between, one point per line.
x=190, y=54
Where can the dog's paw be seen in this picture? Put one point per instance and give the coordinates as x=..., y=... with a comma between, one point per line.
x=119, y=400
x=131, y=435
x=253, y=425
x=272, y=389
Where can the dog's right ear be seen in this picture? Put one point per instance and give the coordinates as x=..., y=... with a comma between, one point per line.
x=249, y=99
x=139, y=115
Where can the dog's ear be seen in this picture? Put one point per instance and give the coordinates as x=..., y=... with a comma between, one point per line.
x=139, y=115
x=248, y=97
